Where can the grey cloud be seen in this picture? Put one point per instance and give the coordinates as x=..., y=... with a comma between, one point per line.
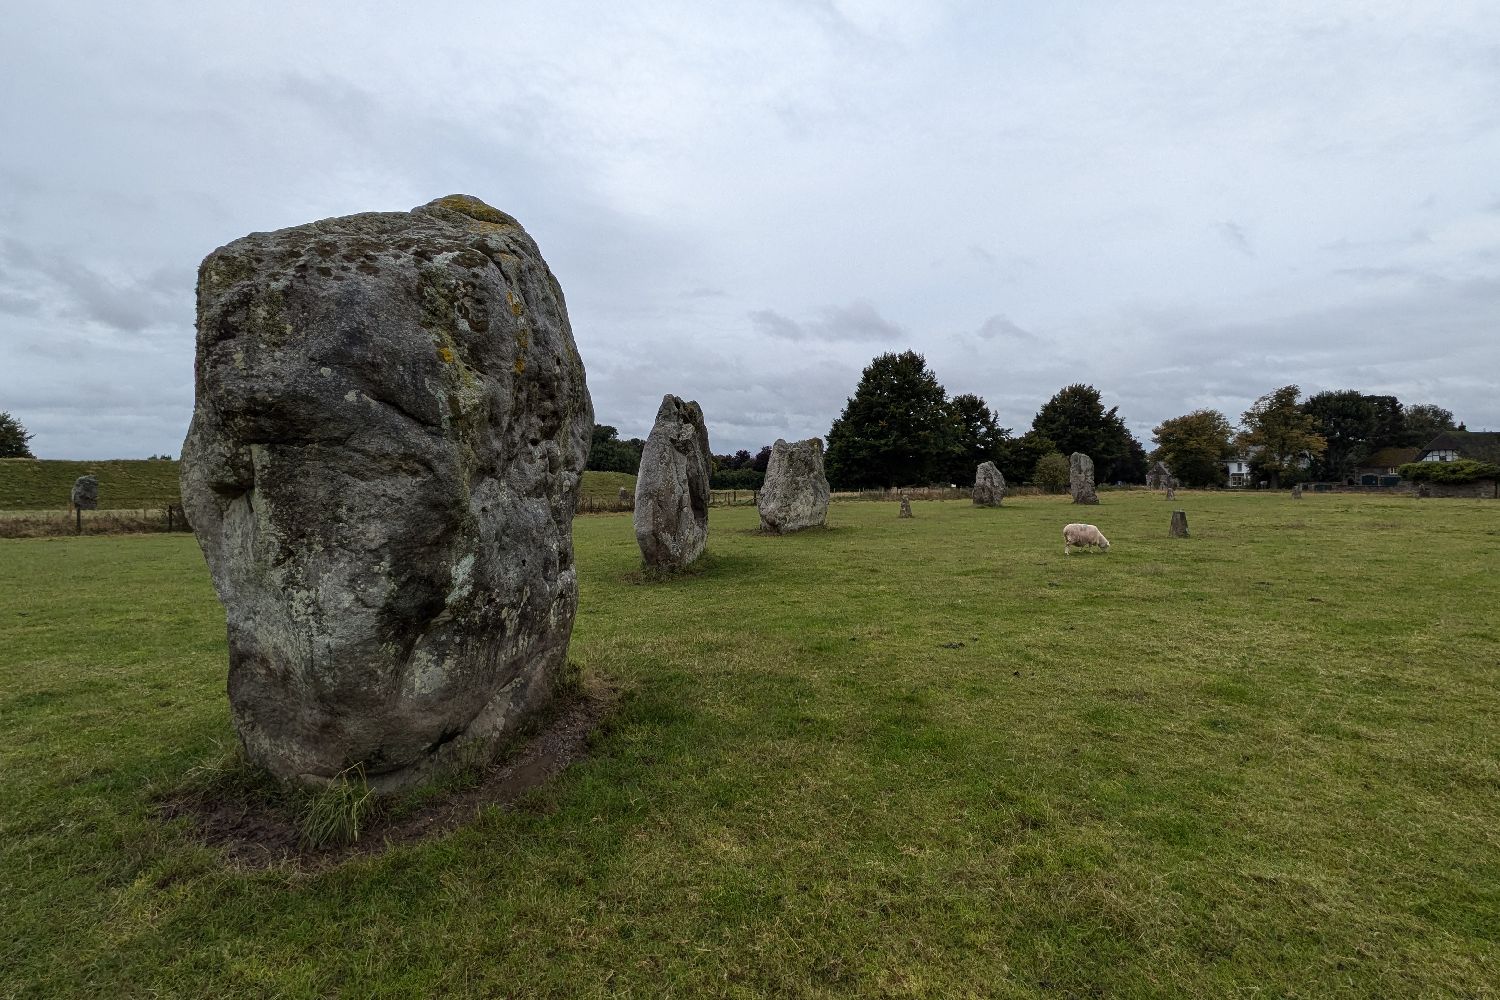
x=1234, y=234
x=858, y=321
x=999, y=327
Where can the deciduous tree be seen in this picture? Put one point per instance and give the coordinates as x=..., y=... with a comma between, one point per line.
x=1194, y=446
x=1279, y=436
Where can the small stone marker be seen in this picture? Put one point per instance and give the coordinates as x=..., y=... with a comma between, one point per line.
x=1297, y=492
x=989, y=486
x=1081, y=478
x=905, y=506
x=85, y=493
x=1179, y=524
x=1171, y=492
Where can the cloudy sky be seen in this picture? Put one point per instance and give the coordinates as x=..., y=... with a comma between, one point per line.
x=1185, y=205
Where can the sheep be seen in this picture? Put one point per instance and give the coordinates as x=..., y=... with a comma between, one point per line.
x=1083, y=535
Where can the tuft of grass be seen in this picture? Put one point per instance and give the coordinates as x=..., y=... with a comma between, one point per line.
x=334, y=815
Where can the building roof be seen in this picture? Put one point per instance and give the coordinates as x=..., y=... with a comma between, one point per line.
x=1484, y=446
x=1390, y=458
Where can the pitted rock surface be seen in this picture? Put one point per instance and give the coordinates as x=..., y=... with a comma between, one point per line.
x=795, y=493
x=989, y=485
x=671, y=488
x=1081, y=478
x=85, y=493
x=390, y=425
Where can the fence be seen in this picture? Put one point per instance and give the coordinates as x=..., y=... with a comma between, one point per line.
x=50, y=523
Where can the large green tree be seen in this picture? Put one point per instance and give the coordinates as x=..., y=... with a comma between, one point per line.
x=609, y=454
x=977, y=437
x=1194, y=446
x=13, y=438
x=1020, y=455
x=1349, y=424
x=1075, y=420
x=895, y=429
x=1425, y=421
x=1280, y=438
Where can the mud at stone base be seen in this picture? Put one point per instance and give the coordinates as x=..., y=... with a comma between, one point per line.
x=256, y=834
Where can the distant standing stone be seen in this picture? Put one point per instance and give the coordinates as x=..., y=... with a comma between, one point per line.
x=85, y=494
x=1179, y=527
x=905, y=506
x=1297, y=492
x=794, y=495
x=389, y=429
x=1081, y=478
x=989, y=486
x=1160, y=477
x=1171, y=491
x=671, y=490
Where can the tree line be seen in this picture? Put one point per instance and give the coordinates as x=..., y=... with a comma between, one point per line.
x=901, y=428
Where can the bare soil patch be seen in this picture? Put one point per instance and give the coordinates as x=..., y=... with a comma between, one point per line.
x=254, y=833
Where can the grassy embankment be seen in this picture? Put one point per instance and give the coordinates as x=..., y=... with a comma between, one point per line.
x=931, y=758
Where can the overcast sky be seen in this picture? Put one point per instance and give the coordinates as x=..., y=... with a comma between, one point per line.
x=1184, y=205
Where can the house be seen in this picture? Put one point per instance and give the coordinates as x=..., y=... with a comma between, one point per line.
x=1382, y=467
x=1239, y=471
x=1450, y=446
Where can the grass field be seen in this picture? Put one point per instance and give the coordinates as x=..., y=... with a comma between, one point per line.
x=929, y=757
x=126, y=484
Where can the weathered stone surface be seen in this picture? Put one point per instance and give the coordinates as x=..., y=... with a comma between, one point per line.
x=989, y=486
x=85, y=495
x=794, y=495
x=390, y=425
x=671, y=489
x=1179, y=527
x=1081, y=478
x=905, y=506
x=1160, y=477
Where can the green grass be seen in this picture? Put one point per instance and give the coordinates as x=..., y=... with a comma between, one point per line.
x=124, y=484
x=131, y=484
x=930, y=757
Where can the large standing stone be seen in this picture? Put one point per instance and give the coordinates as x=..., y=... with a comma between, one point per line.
x=905, y=506
x=390, y=425
x=795, y=492
x=1160, y=477
x=671, y=489
x=85, y=495
x=989, y=485
x=1081, y=478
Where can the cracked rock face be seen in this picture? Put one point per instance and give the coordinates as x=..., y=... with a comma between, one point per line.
x=390, y=424
x=989, y=485
x=1081, y=478
x=85, y=494
x=671, y=488
x=794, y=495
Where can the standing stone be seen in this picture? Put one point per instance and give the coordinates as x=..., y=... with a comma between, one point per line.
x=85, y=495
x=671, y=490
x=1297, y=492
x=1081, y=478
x=1160, y=477
x=1172, y=490
x=905, y=506
x=1179, y=527
x=389, y=429
x=989, y=486
x=794, y=495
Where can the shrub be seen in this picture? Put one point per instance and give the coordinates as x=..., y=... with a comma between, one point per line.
x=1465, y=470
x=1052, y=473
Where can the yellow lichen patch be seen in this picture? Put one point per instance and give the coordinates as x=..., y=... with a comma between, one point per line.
x=446, y=353
x=475, y=209
x=516, y=305
x=520, y=366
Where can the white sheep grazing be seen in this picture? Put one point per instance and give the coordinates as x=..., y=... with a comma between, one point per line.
x=1083, y=535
